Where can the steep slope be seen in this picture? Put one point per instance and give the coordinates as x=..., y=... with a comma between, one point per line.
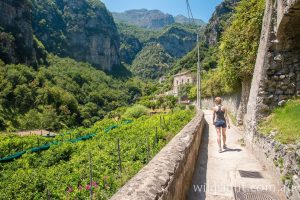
x=17, y=43
x=219, y=21
x=143, y=18
x=80, y=29
x=208, y=43
x=42, y=90
x=176, y=40
x=64, y=94
x=152, y=62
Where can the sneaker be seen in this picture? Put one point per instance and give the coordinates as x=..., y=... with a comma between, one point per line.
x=220, y=150
x=224, y=146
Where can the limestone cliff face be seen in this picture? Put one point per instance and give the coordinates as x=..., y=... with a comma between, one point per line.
x=130, y=46
x=178, y=41
x=80, y=29
x=219, y=19
x=16, y=36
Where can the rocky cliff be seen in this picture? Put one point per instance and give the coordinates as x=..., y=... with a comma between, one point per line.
x=80, y=29
x=178, y=40
x=218, y=21
x=17, y=44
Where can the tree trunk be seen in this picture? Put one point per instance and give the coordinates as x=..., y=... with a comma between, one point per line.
x=242, y=110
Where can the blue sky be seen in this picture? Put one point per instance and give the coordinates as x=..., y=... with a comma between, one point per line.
x=202, y=9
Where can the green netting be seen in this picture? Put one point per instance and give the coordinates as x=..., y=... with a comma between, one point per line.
x=12, y=157
x=128, y=121
x=86, y=137
x=40, y=148
x=47, y=146
x=110, y=128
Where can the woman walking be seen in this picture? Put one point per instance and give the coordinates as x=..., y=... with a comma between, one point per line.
x=221, y=122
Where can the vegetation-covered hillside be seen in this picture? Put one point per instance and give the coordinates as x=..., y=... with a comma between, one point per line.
x=64, y=94
x=175, y=40
x=152, y=62
x=209, y=39
x=231, y=59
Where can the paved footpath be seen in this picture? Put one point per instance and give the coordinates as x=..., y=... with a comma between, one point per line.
x=217, y=173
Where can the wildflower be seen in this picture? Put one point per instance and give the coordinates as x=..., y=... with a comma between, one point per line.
x=87, y=187
x=80, y=187
x=94, y=184
x=70, y=189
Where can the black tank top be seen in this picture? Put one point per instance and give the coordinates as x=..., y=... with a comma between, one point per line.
x=220, y=114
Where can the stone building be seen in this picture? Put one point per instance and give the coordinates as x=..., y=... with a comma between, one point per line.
x=181, y=79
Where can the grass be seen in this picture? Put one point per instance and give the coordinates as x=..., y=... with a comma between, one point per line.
x=286, y=120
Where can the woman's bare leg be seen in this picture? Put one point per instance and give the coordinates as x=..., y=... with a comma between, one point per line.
x=224, y=136
x=219, y=137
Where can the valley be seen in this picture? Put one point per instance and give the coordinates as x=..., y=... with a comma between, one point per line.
x=90, y=96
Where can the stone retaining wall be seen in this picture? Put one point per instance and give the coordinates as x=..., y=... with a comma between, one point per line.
x=232, y=103
x=169, y=174
x=282, y=162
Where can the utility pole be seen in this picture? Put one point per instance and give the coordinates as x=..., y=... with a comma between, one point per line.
x=198, y=75
x=190, y=14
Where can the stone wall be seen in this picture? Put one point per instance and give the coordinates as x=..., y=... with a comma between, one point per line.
x=276, y=79
x=282, y=162
x=277, y=71
x=169, y=174
x=232, y=103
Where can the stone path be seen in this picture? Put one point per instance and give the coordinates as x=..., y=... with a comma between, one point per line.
x=217, y=173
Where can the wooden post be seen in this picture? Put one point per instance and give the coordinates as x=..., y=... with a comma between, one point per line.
x=156, y=136
x=148, y=150
x=160, y=121
x=91, y=177
x=48, y=195
x=119, y=156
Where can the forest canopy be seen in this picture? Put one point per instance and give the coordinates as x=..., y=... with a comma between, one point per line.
x=65, y=94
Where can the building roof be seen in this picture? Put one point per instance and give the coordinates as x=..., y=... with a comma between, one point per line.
x=182, y=73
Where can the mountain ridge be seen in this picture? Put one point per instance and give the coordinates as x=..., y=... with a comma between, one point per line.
x=152, y=19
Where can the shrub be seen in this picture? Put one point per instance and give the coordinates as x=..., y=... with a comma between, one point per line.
x=191, y=107
x=136, y=111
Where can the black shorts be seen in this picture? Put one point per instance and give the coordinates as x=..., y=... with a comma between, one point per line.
x=220, y=124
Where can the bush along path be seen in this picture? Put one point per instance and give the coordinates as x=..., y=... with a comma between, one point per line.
x=96, y=167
